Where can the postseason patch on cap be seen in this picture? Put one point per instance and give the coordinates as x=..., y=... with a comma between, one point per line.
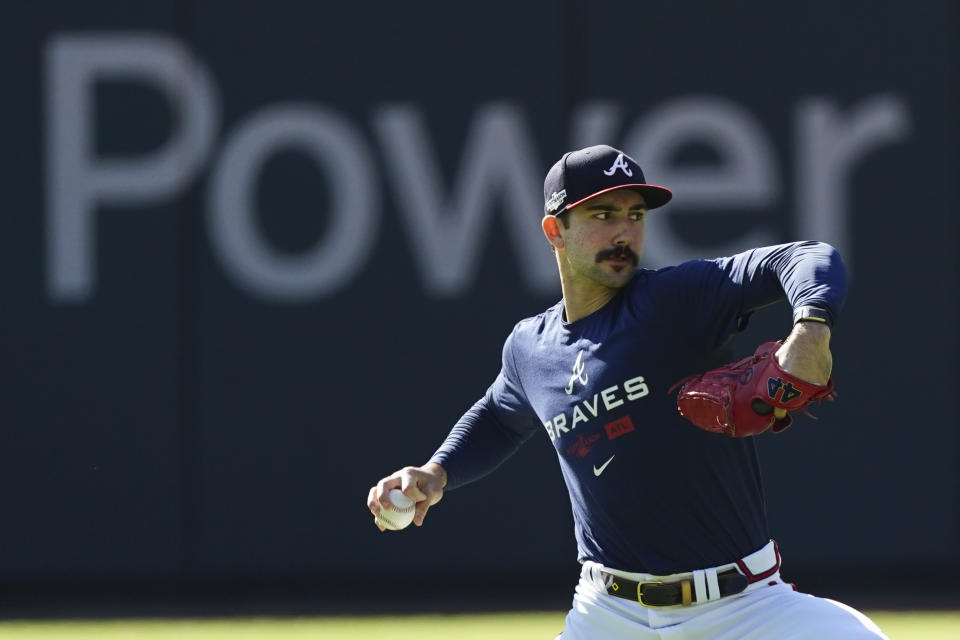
x=556, y=200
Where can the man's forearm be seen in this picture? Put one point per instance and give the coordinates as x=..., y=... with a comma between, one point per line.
x=476, y=445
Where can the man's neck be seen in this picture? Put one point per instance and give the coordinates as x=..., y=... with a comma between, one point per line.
x=581, y=300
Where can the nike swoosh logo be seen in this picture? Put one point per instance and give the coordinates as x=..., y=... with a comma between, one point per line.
x=597, y=471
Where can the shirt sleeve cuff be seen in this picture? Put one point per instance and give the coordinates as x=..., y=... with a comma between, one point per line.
x=810, y=313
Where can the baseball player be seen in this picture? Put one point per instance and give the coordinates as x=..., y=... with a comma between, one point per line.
x=668, y=504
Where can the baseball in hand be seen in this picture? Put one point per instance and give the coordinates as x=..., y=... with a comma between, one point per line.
x=400, y=515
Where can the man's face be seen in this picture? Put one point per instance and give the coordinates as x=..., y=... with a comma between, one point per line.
x=605, y=239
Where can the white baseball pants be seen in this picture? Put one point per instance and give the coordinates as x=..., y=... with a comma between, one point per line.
x=768, y=609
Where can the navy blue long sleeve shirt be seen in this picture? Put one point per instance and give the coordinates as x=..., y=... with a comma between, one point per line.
x=650, y=492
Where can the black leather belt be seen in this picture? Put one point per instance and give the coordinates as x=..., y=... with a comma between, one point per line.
x=669, y=594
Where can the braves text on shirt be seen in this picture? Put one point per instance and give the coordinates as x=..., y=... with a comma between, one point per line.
x=605, y=401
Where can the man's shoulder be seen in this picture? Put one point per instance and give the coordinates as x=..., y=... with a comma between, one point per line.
x=690, y=266
x=691, y=271
x=534, y=325
x=531, y=330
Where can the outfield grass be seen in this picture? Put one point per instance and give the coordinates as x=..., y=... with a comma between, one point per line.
x=916, y=625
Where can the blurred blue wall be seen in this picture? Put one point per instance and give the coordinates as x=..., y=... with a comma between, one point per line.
x=257, y=256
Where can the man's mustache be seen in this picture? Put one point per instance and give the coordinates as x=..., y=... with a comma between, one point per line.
x=619, y=253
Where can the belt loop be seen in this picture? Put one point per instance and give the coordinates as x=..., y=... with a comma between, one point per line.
x=700, y=585
x=593, y=573
x=596, y=574
x=713, y=585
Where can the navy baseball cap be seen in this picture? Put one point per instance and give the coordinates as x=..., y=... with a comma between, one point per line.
x=585, y=173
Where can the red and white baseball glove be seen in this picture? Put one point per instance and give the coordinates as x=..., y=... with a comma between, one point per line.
x=741, y=399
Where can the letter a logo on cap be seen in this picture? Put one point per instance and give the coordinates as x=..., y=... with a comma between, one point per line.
x=619, y=163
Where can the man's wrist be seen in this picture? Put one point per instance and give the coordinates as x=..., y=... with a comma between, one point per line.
x=812, y=315
x=435, y=469
x=810, y=332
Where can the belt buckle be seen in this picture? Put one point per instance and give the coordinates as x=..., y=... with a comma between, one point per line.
x=686, y=589
x=640, y=595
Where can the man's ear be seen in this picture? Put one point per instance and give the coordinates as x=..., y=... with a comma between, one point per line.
x=551, y=229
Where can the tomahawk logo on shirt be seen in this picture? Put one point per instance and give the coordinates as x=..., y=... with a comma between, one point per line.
x=578, y=374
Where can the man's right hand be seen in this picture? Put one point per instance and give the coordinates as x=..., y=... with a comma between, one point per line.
x=424, y=485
